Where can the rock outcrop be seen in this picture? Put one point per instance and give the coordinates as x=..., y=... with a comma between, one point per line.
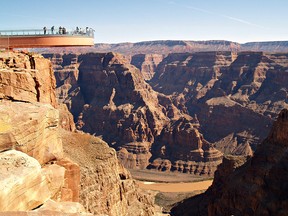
x=23, y=186
x=38, y=177
x=249, y=87
x=30, y=144
x=27, y=78
x=256, y=187
x=187, y=151
x=109, y=97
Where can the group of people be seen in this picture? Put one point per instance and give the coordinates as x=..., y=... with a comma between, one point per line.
x=87, y=30
x=62, y=30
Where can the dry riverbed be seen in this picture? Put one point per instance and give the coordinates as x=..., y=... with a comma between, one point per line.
x=169, y=187
x=175, y=187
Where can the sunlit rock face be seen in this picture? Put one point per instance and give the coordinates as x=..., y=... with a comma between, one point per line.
x=30, y=145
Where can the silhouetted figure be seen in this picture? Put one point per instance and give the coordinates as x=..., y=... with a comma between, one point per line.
x=60, y=30
x=64, y=30
x=44, y=29
x=52, y=29
x=77, y=30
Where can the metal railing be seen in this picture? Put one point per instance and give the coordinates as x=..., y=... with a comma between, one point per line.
x=88, y=32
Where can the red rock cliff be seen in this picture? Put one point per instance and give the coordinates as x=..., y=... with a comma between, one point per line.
x=110, y=98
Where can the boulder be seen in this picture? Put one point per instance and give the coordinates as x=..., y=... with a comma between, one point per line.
x=23, y=185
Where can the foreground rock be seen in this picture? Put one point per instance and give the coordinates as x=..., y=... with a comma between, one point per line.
x=23, y=186
x=30, y=145
x=258, y=187
x=106, y=186
x=52, y=208
x=30, y=128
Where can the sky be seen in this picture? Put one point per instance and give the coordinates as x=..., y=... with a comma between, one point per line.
x=116, y=21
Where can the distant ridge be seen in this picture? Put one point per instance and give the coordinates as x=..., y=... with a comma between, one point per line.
x=164, y=47
x=177, y=46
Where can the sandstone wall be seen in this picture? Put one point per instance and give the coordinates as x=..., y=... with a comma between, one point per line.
x=27, y=78
x=29, y=140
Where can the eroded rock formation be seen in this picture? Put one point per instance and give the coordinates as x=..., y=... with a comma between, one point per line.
x=235, y=95
x=185, y=146
x=109, y=97
x=255, y=187
x=31, y=128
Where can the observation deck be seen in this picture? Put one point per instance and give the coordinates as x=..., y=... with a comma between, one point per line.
x=37, y=38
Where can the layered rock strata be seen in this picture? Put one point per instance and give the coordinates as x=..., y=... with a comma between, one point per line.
x=179, y=46
x=29, y=139
x=255, y=187
x=27, y=78
x=249, y=87
x=185, y=146
x=32, y=129
x=110, y=98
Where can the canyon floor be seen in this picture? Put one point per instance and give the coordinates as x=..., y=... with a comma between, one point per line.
x=175, y=187
x=170, y=188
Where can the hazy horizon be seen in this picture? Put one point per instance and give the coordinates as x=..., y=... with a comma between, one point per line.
x=192, y=40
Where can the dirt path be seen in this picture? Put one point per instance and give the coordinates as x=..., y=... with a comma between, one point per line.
x=175, y=187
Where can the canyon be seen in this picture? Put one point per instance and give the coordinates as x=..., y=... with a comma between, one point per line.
x=109, y=97
x=192, y=108
x=72, y=123
x=44, y=164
